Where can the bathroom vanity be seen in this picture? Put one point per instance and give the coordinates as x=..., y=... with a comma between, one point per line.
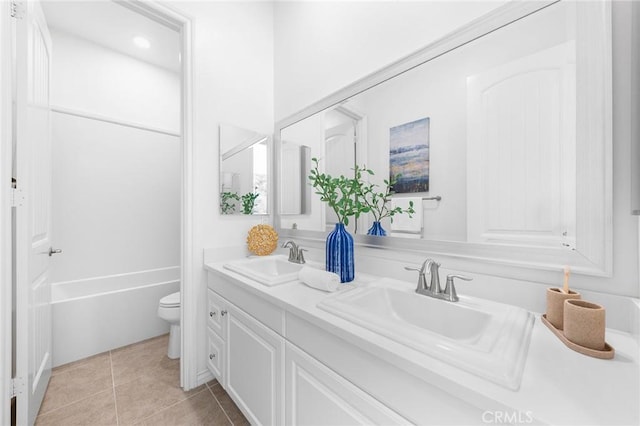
x=286, y=361
x=542, y=74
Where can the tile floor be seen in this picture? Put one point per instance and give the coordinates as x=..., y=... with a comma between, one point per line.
x=133, y=385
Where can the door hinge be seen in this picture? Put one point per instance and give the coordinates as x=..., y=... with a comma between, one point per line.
x=17, y=9
x=17, y=197
x=17, y=386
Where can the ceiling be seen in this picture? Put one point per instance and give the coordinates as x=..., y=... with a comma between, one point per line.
x=114, y=26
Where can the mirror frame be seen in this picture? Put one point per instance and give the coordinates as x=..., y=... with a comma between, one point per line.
x=593, y=254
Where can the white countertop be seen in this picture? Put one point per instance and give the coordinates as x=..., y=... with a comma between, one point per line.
x=559, y=386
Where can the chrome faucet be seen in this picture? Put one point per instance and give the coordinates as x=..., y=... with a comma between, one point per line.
x=296, y=254
x=434, y=289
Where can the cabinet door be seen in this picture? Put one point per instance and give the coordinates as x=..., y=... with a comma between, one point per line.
x=215, y=356
x=316, y=395
x=254, y=368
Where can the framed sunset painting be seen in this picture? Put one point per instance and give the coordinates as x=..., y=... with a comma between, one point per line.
x=409, y=156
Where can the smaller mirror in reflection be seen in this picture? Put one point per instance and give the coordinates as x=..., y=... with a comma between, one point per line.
x=295, y=167
x=243, y=171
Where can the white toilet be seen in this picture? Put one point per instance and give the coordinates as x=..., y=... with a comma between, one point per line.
x=169, y=310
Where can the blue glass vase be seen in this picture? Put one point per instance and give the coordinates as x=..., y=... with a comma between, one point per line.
x=377, y=229
x=339, y=253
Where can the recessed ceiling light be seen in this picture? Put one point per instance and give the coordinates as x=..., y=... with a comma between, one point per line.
x=141, y=42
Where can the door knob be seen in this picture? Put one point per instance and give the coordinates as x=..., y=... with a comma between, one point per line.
x=53, y=251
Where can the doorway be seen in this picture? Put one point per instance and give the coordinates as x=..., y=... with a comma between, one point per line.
x=344, y=149
x=31, y=317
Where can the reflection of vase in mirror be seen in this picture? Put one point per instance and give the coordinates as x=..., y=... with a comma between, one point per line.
x=339, y=253
x=377, y=230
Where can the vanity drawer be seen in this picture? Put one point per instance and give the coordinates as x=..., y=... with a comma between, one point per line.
x=226, y=290
x=215, y=310
x=215, y=355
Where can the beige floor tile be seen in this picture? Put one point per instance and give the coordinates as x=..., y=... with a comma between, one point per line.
x=148, y=392
x=70, y=366
x=200, y=409
x=77, y=382
x=147, y=395
x=96, y=410
x=140, y=359
x=234, y=413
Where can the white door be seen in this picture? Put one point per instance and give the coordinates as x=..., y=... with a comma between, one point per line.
x=33, y=217
x=521, y=167
x=340, y=153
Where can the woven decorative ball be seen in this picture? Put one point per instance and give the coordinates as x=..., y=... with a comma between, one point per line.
x=262, y=240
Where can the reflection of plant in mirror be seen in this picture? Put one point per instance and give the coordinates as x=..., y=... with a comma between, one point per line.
x=340, y=193
x=248, y=202
x=227, y=205
x=378, y=202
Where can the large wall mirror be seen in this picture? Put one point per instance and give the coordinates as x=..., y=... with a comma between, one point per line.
x=244, y=165
x=502, y=131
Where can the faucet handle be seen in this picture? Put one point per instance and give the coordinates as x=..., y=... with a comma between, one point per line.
x=301, y=255
x=422, y=282
x=422, y=268
x=450, y=288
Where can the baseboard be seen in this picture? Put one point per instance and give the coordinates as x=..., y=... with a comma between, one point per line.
x=204, y=376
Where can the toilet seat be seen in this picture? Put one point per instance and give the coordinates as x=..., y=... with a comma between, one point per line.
x=171, y=301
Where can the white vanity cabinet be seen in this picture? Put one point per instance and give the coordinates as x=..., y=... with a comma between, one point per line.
x=254, y=368
x=317, y=395
x=273, y=381
x=247, y=358
x=215, y=334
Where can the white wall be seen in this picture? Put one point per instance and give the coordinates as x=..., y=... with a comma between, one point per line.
x=233, y=83
x=116, y=189
x=323, y=46
x=116, y=199
x=91, y=78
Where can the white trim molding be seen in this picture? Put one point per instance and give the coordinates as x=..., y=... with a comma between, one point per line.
x=190, y=271
x=111, y=120
x=6, y=257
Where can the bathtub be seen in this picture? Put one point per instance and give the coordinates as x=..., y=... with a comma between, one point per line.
x=95, y=315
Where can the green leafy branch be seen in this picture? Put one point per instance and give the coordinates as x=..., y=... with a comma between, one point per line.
x=342, y=194
x=378, y=202
x=249, y=201
x=227, y=205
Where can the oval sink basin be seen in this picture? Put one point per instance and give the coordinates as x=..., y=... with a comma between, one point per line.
x=486, y=338
x=268, y=270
